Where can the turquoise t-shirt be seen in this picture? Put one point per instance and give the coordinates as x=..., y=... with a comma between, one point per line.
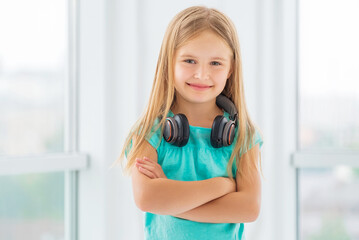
x=197, y=160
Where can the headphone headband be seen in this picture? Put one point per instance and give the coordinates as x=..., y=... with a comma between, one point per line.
x=176, y=130
x=225, y=103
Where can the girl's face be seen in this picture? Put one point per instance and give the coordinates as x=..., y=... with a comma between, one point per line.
x=202, y=67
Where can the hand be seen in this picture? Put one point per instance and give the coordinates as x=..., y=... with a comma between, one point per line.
x=149, y=168
x=230, y=184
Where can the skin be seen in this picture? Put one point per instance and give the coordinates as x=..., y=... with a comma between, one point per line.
x=203, y=61
x=170, y=197
x=238, y=206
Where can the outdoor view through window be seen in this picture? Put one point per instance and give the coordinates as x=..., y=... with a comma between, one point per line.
x=33, y=60
x=329, y=117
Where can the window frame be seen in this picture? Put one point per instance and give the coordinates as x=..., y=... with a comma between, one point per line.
x=70, y=161
x=302, y=159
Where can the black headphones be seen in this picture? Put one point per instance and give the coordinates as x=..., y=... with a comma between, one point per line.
x=176, y=130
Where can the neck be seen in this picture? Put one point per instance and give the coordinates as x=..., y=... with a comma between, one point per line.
x=198, y=114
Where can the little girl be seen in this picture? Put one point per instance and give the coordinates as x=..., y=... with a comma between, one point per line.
x=194, y=154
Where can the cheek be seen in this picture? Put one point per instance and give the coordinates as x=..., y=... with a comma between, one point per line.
x=182, y=73
x=220, y=77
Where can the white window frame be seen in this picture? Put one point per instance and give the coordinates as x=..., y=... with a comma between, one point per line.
x=71, y=161
x=311, y=159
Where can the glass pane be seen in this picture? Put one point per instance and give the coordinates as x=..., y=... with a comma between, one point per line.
x=33, y=49
x=32, y=207
x=329, y=74
x=329, y=204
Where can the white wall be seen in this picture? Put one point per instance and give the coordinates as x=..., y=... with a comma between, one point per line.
x=119, y=44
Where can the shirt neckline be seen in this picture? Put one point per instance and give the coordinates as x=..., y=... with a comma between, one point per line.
x=225, y=114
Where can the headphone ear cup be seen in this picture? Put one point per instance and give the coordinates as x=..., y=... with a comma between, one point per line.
x=217, y=131
x=170, y=132
x=228, y=133
x=183, y=130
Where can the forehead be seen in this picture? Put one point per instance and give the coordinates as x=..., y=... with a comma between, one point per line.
x=205, y=43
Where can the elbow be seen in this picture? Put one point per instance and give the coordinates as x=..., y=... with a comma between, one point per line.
x=254, y=207
x=147, y=200
x=143, y=207
x=250, y=214
x=142, y=196
x=142, y=201
x=253, y=214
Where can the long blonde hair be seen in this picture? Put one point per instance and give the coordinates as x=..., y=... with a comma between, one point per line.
x=184, y=26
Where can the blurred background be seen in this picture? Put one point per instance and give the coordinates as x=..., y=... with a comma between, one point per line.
x=75, y=75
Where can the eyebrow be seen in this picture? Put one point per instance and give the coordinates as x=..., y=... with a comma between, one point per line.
x=190, y=56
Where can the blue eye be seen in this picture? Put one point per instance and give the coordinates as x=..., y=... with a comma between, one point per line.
x=215, y=63
x=189, y=61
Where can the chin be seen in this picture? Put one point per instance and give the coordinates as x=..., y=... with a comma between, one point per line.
x=198, y=98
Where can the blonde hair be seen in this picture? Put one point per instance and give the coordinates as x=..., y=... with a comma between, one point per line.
x=186, y=25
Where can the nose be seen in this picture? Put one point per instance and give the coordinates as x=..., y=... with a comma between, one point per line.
x=202, y=72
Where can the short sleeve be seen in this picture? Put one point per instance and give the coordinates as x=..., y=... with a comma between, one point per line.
x=154, y=137
x=128, y=149
x=257, y=140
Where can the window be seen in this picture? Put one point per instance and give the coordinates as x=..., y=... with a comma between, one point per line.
x=328, y=144
x=37, y=124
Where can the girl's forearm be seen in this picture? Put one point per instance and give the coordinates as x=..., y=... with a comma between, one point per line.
x=170, y=197
x=236, y=207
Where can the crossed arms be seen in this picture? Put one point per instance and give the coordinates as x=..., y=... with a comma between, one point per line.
x=214, y=200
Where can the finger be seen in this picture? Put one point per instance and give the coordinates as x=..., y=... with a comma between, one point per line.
x=146, y=172
x=157, y=167
x=140, y=160
x=150, y=165
x=148, y=168
x=147, y=159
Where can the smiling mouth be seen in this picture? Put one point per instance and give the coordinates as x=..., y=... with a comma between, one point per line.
x=198, y=86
